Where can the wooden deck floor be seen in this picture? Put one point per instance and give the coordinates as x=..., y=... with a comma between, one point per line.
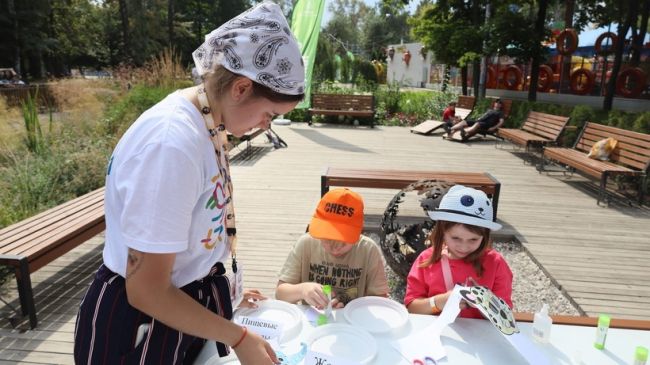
x=599, y=255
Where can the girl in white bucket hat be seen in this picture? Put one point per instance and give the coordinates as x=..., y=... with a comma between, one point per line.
x=461, y=251
x=163, y=289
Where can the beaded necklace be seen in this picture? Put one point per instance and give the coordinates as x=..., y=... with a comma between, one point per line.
x=219, y=139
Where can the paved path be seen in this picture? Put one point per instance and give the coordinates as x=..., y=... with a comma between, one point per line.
x=599, y=255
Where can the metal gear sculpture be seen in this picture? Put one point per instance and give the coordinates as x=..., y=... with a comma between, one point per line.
x=402, y=242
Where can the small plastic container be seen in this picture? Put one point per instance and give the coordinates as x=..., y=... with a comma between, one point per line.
x=601, y=331
x=640, y=355
x=542, y=325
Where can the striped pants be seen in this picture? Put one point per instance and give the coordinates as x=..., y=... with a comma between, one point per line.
x=107, y=325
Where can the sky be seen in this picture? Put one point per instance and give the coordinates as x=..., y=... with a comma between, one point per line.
x=413, y=4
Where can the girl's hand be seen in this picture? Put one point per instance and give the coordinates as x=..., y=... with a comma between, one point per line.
x=312, y=293
x=441, y=300
x=253, y=350
x=250, y=297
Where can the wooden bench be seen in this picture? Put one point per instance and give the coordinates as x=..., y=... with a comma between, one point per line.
x=631, y=156
x=399, y=179
x=538, y=130
x=247, y=137
x=464, y=107
x=30, y=244
x=343, y=104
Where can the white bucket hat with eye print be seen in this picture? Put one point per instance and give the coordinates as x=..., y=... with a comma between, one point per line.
x=258, y=44
x=466, y=205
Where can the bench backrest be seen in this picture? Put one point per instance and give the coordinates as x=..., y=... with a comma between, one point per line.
x=465, y=102
x=632, y=150
x=343, y=102
x=545, y=125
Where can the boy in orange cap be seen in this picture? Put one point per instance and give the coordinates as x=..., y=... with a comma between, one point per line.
x=333, y=252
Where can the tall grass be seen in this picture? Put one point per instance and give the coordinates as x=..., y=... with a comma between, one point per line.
x=164, y=70
x=34, y=135
x=91, y=116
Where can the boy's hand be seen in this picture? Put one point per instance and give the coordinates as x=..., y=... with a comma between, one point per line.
x=337, y=304
x=312, y=293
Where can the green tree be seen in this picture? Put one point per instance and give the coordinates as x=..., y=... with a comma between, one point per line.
x=387, y=25
x=622, y=12
x=349, y=16
x=447, y=29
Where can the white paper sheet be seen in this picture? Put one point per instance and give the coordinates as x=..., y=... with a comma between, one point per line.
x=427, y=341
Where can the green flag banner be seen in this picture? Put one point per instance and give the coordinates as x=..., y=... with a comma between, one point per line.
x=305, y=25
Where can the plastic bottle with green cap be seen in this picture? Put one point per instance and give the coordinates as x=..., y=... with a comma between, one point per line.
x=640, y=355
x=601, y=331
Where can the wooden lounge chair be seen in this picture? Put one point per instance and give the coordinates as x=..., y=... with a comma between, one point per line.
x=464, y=107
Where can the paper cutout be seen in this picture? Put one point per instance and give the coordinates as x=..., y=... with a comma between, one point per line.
x=497, y=311
x=294, y=359
x=491, y=307
x=427, y=341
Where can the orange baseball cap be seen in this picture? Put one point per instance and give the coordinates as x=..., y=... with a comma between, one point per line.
x=339, y=216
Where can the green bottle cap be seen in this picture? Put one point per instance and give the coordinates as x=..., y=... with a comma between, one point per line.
x=641, y=353
x=327, y=289
x=603, y=320
x=322, y=319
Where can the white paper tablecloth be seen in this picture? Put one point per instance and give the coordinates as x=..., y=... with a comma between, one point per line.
x=476, y=342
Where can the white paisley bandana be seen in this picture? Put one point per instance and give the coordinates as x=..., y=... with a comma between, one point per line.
x=257, y=44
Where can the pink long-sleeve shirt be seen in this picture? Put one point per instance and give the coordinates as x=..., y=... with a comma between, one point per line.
x=425, y=282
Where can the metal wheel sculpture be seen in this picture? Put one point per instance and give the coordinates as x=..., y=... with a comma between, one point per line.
x=402, y=242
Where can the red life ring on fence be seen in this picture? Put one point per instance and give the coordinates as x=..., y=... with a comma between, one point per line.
x=512, y=69
x=545, y=79
x=586, y=87
x=599, y=43
x=491, y=82
x=635, y=74
x=573, y=39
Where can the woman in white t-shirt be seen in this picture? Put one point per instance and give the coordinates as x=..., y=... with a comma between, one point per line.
x=162, y=288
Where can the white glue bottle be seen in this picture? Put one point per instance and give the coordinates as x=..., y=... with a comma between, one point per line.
x=542, y=325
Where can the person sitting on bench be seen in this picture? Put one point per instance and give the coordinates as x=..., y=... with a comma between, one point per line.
x=489, y=122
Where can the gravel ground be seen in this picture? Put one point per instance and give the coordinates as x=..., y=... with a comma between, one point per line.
x=531, y=286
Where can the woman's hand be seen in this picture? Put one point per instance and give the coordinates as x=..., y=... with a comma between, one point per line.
x=251, y=296
x=253, y=350
x=312, y=293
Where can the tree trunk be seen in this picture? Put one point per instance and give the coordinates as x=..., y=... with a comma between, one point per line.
x=124, y=15
x=539, y=34
x=11, y=10
x=637, y=42
x=476, y=76
x=463, y=78
x=566, y=66
x=623, y=27
x=483, y=76
x=170, y=21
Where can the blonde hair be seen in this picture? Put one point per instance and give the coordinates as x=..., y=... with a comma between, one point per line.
x=219, y=80
x=436, y=237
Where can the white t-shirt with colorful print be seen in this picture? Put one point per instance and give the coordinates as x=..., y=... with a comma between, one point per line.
x=164, y=193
